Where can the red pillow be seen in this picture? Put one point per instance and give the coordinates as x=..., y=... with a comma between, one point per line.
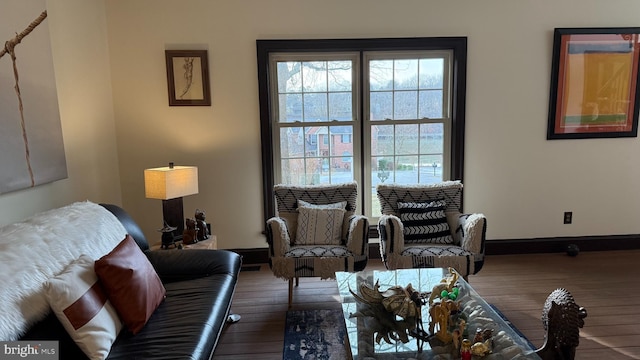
x=131, y=283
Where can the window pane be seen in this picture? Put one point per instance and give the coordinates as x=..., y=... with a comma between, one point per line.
x=291, y=142
x=406, y=171
x=290, y=107
x=405, y=105
x=431, y=138
x=340, y=76
x=381, y=105
x=430, y=169
x=315, y=107
x=381, y=75
x=289, y=77
x=431, y=73
x=405, y=74
x=314, y=76
x=431, y=104
x=382, y=140
x=406, y=139
x=340, y=106
x=293, y=171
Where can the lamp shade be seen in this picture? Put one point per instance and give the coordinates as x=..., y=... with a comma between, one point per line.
x=170, y=182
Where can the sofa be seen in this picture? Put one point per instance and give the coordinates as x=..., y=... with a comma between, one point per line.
x=186, y=324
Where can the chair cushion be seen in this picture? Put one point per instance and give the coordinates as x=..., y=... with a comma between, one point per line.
x=425, y=223
x=78, y=300
x=132, y=284
x=318, y=251
x=319, y=226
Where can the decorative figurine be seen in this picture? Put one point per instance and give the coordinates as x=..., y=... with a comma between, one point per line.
x=465, y=350
x=562, y=319
x=168, y=238
x=189, y=236
x=445, y=289
x=440, y=313
x=203, y=230
x=395, y=312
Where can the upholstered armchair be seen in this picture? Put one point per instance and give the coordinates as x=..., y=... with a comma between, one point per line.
x=422, y=226
x=316, y=232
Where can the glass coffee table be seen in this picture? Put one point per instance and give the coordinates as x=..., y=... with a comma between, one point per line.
x=507, y=343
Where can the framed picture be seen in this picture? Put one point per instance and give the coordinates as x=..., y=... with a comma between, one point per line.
x=594, y=83
x=188, y=77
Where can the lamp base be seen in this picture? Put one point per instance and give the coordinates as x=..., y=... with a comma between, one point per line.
x=172, y=212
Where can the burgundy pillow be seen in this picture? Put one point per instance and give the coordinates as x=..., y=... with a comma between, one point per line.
x=131, y=283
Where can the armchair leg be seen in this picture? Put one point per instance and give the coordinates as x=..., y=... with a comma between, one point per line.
x=297, y=281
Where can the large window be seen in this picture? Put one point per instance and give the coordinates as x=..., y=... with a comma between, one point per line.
x=370, y=110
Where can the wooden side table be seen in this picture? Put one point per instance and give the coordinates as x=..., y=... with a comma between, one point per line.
x=210, y=244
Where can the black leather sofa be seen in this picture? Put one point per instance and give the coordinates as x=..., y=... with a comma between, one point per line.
x=187, y=324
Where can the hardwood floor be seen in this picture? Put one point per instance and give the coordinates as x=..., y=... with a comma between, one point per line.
x=605, y=283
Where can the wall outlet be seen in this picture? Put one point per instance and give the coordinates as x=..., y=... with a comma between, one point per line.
x=568, y=216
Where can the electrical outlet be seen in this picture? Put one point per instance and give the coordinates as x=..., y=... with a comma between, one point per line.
x=568, y=215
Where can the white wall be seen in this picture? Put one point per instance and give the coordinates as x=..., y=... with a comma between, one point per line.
x=81, y=64
x=521, y=181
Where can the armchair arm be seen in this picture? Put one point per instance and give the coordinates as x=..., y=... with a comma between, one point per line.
x=358, y=234
x=470, y=232
x=175, y=265
x=391, y=235
x=278, y=237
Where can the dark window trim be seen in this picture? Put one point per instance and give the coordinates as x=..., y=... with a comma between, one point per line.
x=459, y=74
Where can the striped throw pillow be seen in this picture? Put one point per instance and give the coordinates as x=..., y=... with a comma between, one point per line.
x=77, y=298
x=425, y=223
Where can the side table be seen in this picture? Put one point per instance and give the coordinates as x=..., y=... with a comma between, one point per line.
x=210, y=244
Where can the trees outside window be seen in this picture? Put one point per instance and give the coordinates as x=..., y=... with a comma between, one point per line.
x=370, y=110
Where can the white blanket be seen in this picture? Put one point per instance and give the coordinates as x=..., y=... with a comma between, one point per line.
x=34, y=250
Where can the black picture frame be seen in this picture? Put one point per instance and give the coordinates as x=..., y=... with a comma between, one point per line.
x=594, y=83
x=188, y=77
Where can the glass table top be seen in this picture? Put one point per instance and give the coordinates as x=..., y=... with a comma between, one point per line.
x=479, y=314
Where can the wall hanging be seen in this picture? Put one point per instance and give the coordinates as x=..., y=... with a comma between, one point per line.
x=188, y=77
x=31, y=145
x=594, y=83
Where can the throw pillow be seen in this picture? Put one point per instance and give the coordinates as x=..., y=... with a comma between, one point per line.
x=338, y=205
x=131, y=283
x=425, y=223
x=77, y=298
x=319, y=226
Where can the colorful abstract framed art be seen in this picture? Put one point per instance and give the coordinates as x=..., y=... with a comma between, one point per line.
x=594, y=83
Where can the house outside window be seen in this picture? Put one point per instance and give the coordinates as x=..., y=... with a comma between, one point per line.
x=372, y=111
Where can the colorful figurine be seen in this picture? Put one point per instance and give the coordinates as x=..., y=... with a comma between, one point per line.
x=465, y=349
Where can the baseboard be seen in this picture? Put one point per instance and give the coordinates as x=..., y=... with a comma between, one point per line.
x=559, y=244
x=502, y=247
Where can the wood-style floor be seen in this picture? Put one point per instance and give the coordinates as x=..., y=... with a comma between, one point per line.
x=605, y=283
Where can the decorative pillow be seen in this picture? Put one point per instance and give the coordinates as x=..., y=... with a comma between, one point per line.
x=338, y=205
x=77, y=298
x=318, y=226
x=425, y=223
x=131, y=283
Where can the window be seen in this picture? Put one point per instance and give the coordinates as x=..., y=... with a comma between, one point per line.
x=370, y=110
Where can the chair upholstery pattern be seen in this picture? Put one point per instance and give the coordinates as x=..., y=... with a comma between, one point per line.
x=466, y=254
x=289, y=261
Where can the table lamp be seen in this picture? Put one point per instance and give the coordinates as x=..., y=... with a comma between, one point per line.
x=170, y=184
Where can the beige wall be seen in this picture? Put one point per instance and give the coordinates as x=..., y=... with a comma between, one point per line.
x=81, y=63
x=522, y=182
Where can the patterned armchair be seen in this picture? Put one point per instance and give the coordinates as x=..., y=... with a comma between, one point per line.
x=421, y=226
x=316, y=232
